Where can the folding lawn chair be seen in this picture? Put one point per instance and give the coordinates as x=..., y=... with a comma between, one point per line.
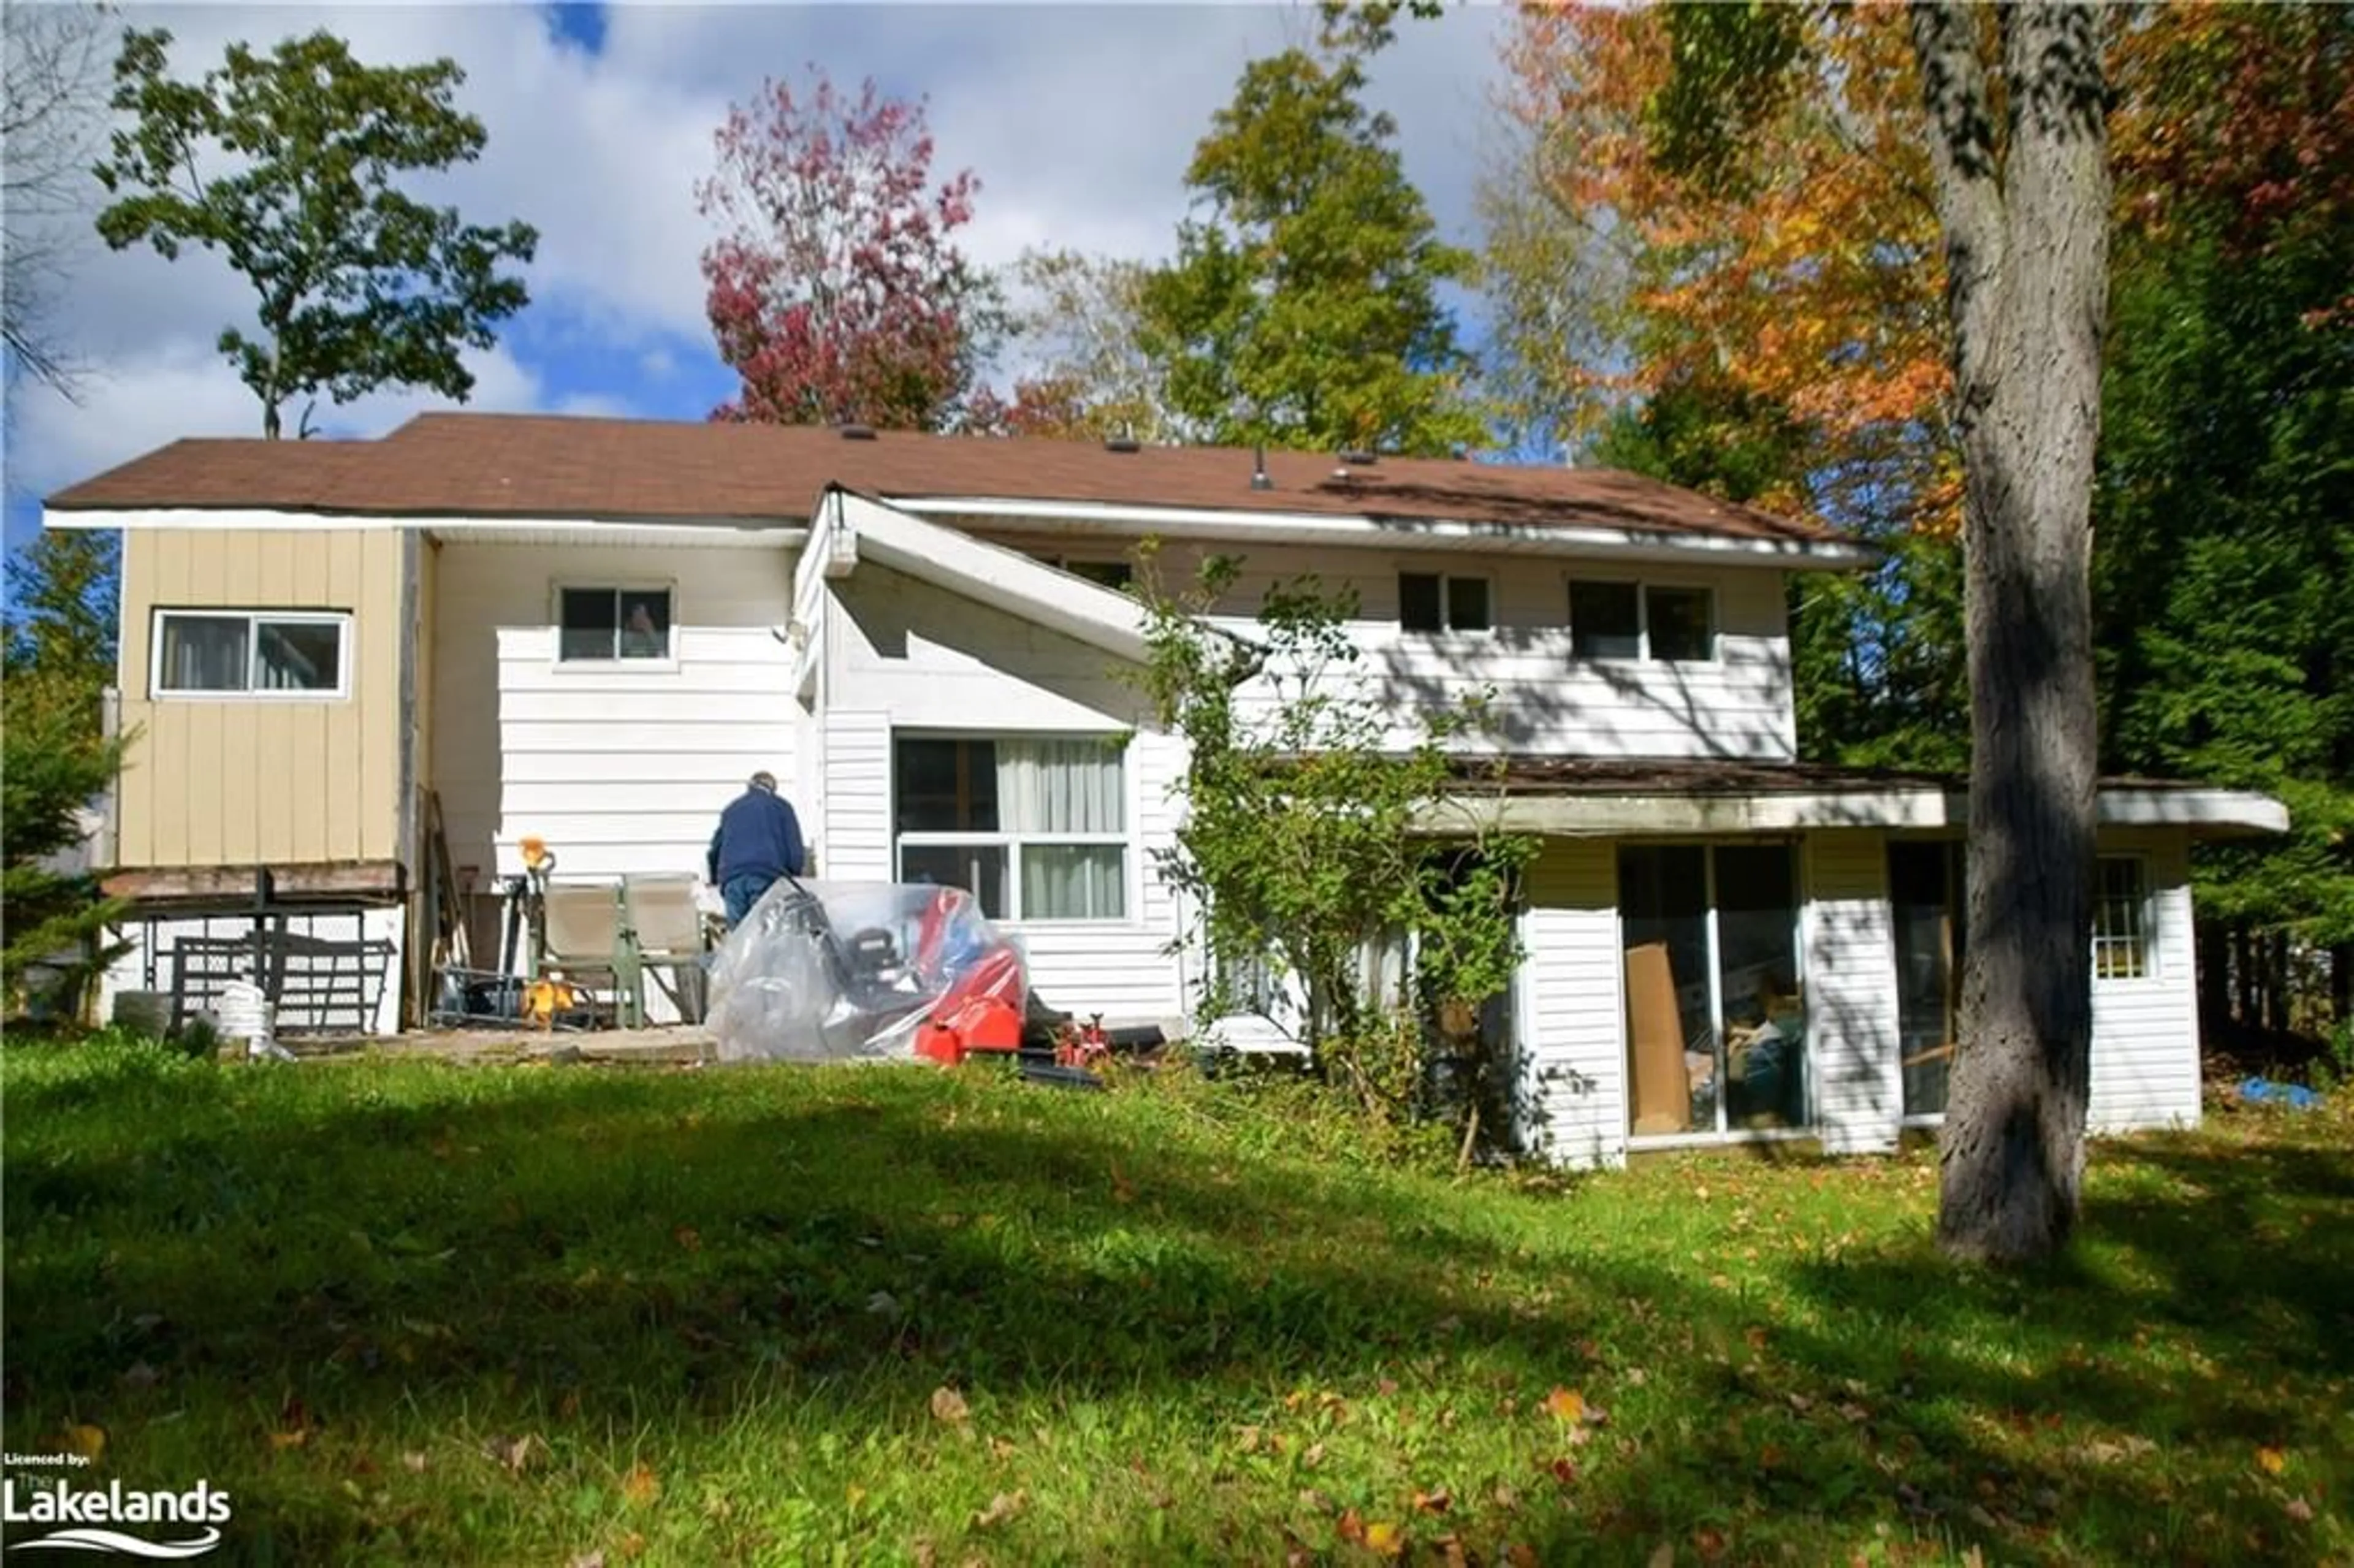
x=585, y=930
x=666, y=931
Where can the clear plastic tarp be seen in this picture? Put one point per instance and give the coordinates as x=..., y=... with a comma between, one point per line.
x=821, y=971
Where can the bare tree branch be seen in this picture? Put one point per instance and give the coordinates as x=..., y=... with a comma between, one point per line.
x=51, y=125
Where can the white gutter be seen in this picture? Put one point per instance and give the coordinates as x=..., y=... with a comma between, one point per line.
x=2206, y=814
x=227, y=520
x=1438, y=534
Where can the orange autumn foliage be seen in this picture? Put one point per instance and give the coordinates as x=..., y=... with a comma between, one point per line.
x=1810, y=274
x=1811, y=277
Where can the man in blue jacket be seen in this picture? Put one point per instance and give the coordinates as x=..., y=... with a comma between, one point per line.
x=758, y=839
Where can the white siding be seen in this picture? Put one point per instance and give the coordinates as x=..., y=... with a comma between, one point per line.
x=856, y=845
x=1574, y=1058
x=903, y=654
x=620, y=770
x=1738, y=705
x=1852, y=992
x=2146, y=1032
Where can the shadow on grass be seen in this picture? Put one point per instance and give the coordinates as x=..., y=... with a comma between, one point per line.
x=590, y=1252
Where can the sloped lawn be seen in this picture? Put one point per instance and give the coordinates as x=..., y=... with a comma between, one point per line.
x=412, y=1313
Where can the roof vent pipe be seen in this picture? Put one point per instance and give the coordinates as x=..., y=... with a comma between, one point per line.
x=1259, y=480
x=855, y=432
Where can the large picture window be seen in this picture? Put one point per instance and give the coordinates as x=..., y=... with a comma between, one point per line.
x=1716, y=1028
x=1035, y=828
x=252, y=653
x=604, y=624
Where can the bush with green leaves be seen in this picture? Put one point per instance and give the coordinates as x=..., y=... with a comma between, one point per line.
x=1315, y=833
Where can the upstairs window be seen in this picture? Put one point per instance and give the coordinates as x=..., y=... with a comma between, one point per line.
x=1103, y=571
x=1666, y=624
x=1430, y=602
x=257, y=653
x=604, y=624
x=1606, y=621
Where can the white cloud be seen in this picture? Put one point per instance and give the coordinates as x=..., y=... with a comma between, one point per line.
x=184, y=387
x=1078, y=119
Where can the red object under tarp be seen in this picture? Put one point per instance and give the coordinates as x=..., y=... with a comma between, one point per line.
x=982, y=1012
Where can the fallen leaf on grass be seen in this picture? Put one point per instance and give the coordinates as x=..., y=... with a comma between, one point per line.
x=1567, y=1403
x=588, y=1559
x=1353, y=1528
x=1002, y=1507
x=1664, y=1555
x=88, y=1441
x=2272, y=1460
x=948, y=1405
x=2300, y=1510
x=639, y=1487
x=293, y=1439
x=1386, y=1538
x=689, y=1238
x=1520, y=1554
x=414, y=1462
x=514, y=1453
x=142, y=1376
x=1561, y=1470
x=1438, y=1499
x=2102, y=1452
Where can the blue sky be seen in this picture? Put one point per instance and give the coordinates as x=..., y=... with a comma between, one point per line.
x=1078, y=117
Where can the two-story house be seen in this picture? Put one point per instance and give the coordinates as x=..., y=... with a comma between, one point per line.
x=339, y=658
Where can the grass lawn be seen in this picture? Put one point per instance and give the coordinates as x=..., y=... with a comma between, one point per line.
x=567, y=1316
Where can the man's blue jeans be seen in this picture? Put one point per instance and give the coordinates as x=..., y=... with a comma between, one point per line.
x=742, y=891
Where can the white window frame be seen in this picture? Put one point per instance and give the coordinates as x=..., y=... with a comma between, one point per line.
x=1643, y=586
x=617, y=587
x=1014, y=843
x=2144, y=939
x=345, y=652
x=1724, y=1132
x=1446, y=627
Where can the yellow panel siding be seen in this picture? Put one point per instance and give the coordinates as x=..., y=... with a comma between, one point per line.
x=238, y=781
x=376, y=687
x=134, y=796
x=344, y=779
x=297, y=816
x=242, y=784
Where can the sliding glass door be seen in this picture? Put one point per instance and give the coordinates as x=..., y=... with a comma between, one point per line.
x=1715, y=1021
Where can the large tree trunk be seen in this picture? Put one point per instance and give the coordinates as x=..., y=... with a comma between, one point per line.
x=2026, y=220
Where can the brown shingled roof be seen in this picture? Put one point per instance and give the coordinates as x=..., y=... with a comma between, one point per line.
x=510, y=465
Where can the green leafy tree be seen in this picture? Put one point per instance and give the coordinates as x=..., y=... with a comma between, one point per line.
x=55, y=758
x=1311, y=835
x=2226, y=506
x=287, y=163
x=1303, y=307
